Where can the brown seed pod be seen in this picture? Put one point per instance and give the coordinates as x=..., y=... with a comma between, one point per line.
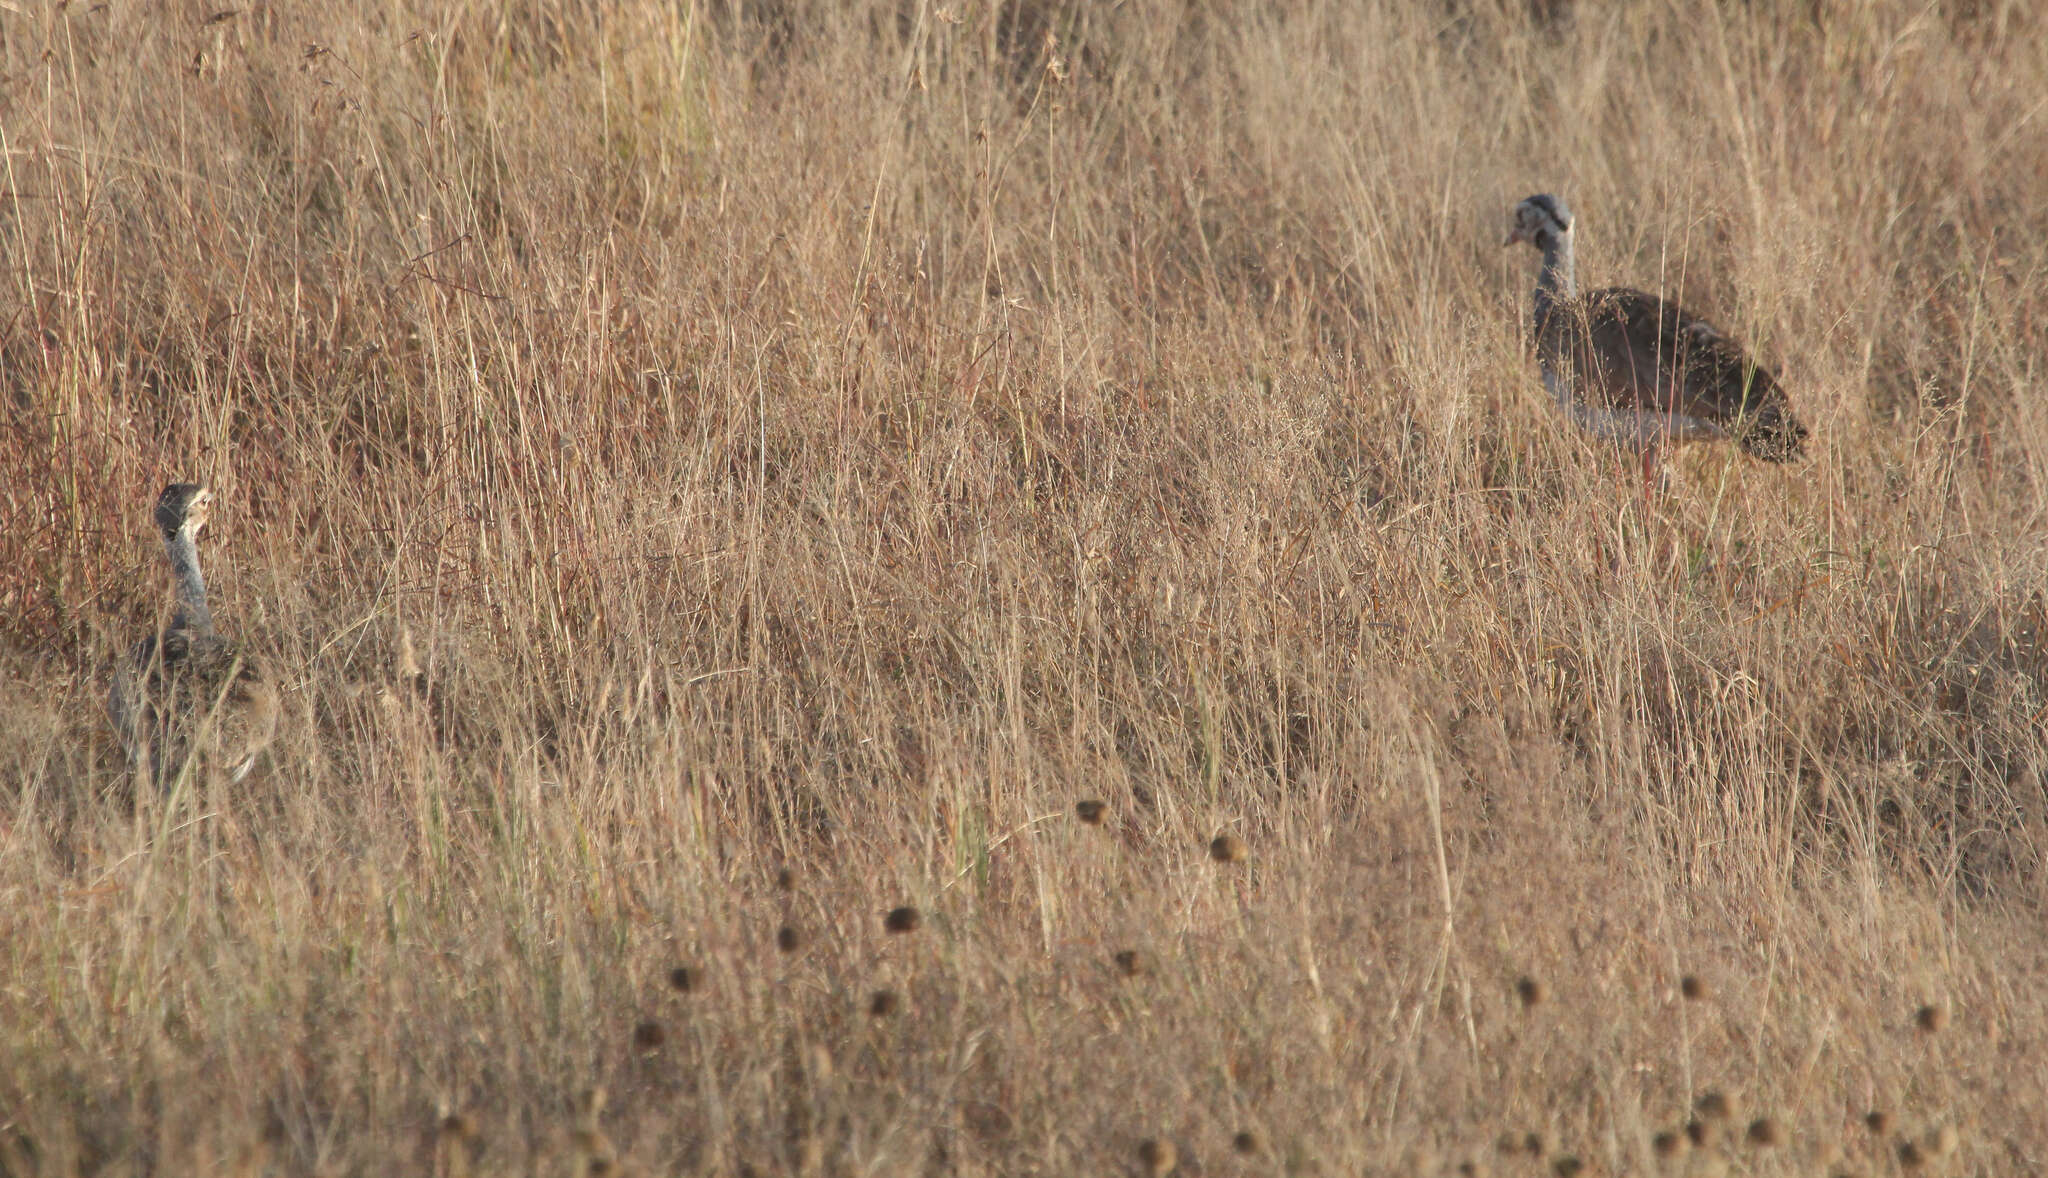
x=683, y=979
x=1568, y=1166
x=1714, y=1105
x=1766, y=1133
x=1877, y=1121
x=649, y=1035
x=1157, y=1156
x=458, y=1127
x=1911, y=1156
x=788, y=878
x=1931, y=1018
x=1534, y=1145
x=903, y=920
x=883, y=1003
x=1248, y=1141
x=1091, y=811
x=1133, y=963
x=1668, y=1144
x=1530, y=991
x=1228, y=848
x=458, y=1142
x=1693, y=988
x=788, y=939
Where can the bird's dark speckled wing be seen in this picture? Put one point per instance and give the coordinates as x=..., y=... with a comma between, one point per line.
x=171, y=690
x=1635, y=351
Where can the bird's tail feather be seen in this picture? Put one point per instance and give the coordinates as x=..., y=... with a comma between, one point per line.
x=1771, y=433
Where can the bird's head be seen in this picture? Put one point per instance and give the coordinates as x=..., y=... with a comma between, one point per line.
x=1540, y=220
x=183, y=507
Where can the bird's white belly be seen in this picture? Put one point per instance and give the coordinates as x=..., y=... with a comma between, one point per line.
x=1635, y=428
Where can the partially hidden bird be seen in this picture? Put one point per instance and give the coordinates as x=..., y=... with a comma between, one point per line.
x=1642, y=371
x=188, y=694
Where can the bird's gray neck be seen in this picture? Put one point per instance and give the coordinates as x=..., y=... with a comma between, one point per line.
x=1555, y=283
x=193, y=613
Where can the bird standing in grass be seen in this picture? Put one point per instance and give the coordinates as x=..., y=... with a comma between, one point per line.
x=188, y=691
x=1633, y=368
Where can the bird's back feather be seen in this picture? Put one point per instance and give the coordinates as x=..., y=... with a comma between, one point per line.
x=1631, y=352
x=183, y=692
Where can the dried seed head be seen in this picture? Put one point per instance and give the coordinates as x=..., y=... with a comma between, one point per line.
x=1133, y=962
x=683, y=979
x=1228, y=848
x=458, y=1142
x=458, y=1127
x=1693, y=988
x=1157, y=1156
x=1877, y=1121
x=1911, y=1156
x=1766, y=1133
x=649, y=1035
x=1472, y=1168
x=1698, y=1132
x=1091, y=811
x=1507, y=1144
x=1568, y=1166
x=1534, y=1145
x=1714, y=1105
x=1530, y=991
x=788, y=939
x=902, y=920
x=1668, y=1145
x=883, y=1003
x=1248, y=1141
x=1931, y=1018
x=788, y=878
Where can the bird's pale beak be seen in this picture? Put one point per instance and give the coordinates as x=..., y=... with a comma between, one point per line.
x=1515, y=235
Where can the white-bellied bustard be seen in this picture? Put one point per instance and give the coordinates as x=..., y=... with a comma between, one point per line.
x=188, y=692
x=1644, y=372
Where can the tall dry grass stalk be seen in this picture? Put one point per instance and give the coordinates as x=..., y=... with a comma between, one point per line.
x=662, y=443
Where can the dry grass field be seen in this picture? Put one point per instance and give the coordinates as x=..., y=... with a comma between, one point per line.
x=713, y=473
